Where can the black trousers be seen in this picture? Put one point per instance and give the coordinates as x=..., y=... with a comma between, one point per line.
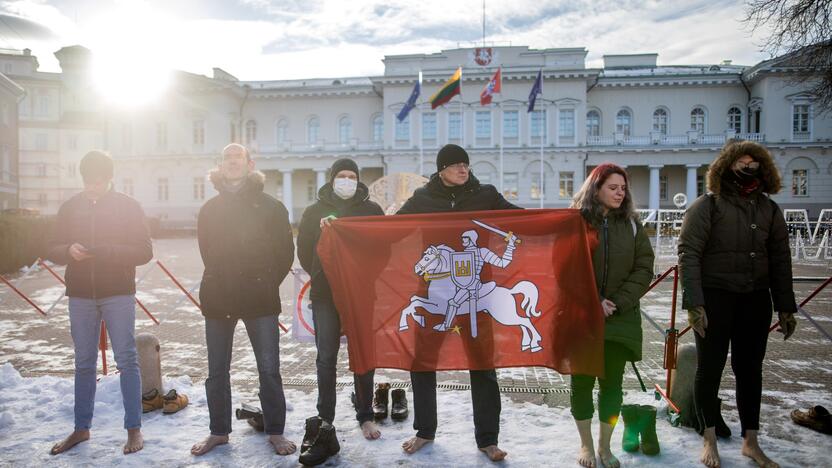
x=328, y=341
x=485, y=395
x=741, y=319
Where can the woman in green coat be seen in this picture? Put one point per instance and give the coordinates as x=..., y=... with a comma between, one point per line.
x=623, y=263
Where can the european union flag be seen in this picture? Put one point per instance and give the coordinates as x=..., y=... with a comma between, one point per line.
x=411, y=101
x=536, y=89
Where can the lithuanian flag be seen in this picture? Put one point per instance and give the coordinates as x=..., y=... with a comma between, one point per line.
x=451, y=88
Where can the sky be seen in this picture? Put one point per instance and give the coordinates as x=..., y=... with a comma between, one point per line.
x=270, y=40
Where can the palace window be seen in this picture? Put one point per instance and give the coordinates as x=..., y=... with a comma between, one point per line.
x=623, y=122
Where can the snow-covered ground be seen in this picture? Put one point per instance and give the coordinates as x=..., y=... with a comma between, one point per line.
x=36, y=412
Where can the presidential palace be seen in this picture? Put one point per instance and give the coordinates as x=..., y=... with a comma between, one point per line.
x=664, y=123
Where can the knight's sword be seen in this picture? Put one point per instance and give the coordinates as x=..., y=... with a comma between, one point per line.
x=506, y=235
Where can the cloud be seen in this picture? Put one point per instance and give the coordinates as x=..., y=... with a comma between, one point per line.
x=261, y=39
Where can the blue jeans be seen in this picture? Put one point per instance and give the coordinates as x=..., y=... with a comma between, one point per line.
x=264, y=334
x=328, y=340
x=119, y=314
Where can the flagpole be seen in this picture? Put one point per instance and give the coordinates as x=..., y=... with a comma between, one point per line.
x=502, y=134
x=543, y=132
x=421, y=133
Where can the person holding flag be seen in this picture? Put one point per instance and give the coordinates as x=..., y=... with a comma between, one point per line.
x=623, y=264
x=344, y=196
x=454, y=188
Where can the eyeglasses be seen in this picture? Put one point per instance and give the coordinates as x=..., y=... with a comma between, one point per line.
x=753, y=165
x=458, y=166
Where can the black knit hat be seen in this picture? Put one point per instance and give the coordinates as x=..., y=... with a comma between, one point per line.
x=450, y=154
x=96, y=165
x=343, y=165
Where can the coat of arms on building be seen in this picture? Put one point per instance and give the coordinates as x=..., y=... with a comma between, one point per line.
x=483, y=56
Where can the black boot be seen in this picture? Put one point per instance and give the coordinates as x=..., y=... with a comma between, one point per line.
x=253, y=415
x=398, y=408
x=313, y=425
x=380, y=401
x=324, y=445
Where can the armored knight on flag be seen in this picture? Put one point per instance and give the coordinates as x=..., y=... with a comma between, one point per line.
x=493, y=87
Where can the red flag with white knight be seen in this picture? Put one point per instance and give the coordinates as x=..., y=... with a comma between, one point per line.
x=493, y=87
x=470, y=290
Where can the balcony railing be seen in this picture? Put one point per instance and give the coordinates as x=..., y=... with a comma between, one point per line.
x=692, y=138
x=329, y=147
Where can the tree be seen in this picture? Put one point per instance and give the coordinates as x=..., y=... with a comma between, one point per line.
x=801, y=34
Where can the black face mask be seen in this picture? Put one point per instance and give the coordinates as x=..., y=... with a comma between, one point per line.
x=745, y=175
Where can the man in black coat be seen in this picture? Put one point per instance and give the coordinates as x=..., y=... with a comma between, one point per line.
x=246, y=245
x=343, y=196
x=101, y=237
x=454, y=188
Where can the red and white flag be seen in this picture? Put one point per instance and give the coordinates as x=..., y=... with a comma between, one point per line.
x=493, y=87
x=475, y=290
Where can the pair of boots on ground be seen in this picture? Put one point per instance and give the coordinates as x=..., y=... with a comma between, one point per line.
x=398, y=409
x=169, y=403
x=639, y=423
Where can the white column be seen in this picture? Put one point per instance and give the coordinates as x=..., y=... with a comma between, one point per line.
x=690, y=187
x=320, y=176
x=654, y=187
x=287, y=193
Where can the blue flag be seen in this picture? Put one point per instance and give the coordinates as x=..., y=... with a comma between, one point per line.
x=411, y=101
x=536, y=89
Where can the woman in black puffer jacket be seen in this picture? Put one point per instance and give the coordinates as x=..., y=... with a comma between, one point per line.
x=736, y=267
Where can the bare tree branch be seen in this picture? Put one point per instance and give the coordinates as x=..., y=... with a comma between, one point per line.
x=801, y=33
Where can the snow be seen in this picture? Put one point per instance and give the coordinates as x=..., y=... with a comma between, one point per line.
x=35, y=412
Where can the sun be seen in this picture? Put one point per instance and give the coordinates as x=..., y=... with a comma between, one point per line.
x=132, y=64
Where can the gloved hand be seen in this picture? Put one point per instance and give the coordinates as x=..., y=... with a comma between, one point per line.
x=698, y=320
x=787, y=324
x=327, y=221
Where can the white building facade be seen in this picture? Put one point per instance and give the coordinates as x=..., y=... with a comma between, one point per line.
x=664, y=123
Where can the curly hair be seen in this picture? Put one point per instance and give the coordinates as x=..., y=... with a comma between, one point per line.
x=735, y=149
x=586, y=199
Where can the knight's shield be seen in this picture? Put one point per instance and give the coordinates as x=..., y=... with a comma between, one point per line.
x=463, y=272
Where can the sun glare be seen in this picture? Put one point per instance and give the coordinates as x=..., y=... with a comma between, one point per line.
x=131, y=63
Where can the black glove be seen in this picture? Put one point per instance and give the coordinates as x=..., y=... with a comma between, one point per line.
x=787, y=324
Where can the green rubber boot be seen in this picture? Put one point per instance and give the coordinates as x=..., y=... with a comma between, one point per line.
x=649, y=439
x=632, y=424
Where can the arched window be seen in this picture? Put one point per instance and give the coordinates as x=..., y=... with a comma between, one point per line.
x=251, y=132
x=378, y=129
x=660, y=121
x=623, y=122
x=735, y=119
x=593, y=123
x=313, y=127
x=281, y=131
x=344, y=130
x=697, y=119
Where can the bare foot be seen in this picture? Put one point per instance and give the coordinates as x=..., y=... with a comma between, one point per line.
x=282, y=445
x=586, y=457
x=710, y=454
x=755, y=453
x=208, y=444
x=494, y=453
x=370, y=430
x=135, y=441
x=414, y=444
x=608, y=460
x=74, y=439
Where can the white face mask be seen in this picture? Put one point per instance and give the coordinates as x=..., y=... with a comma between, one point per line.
x=344, y=188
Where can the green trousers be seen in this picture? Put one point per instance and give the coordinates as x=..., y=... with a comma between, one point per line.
x=610, y=394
